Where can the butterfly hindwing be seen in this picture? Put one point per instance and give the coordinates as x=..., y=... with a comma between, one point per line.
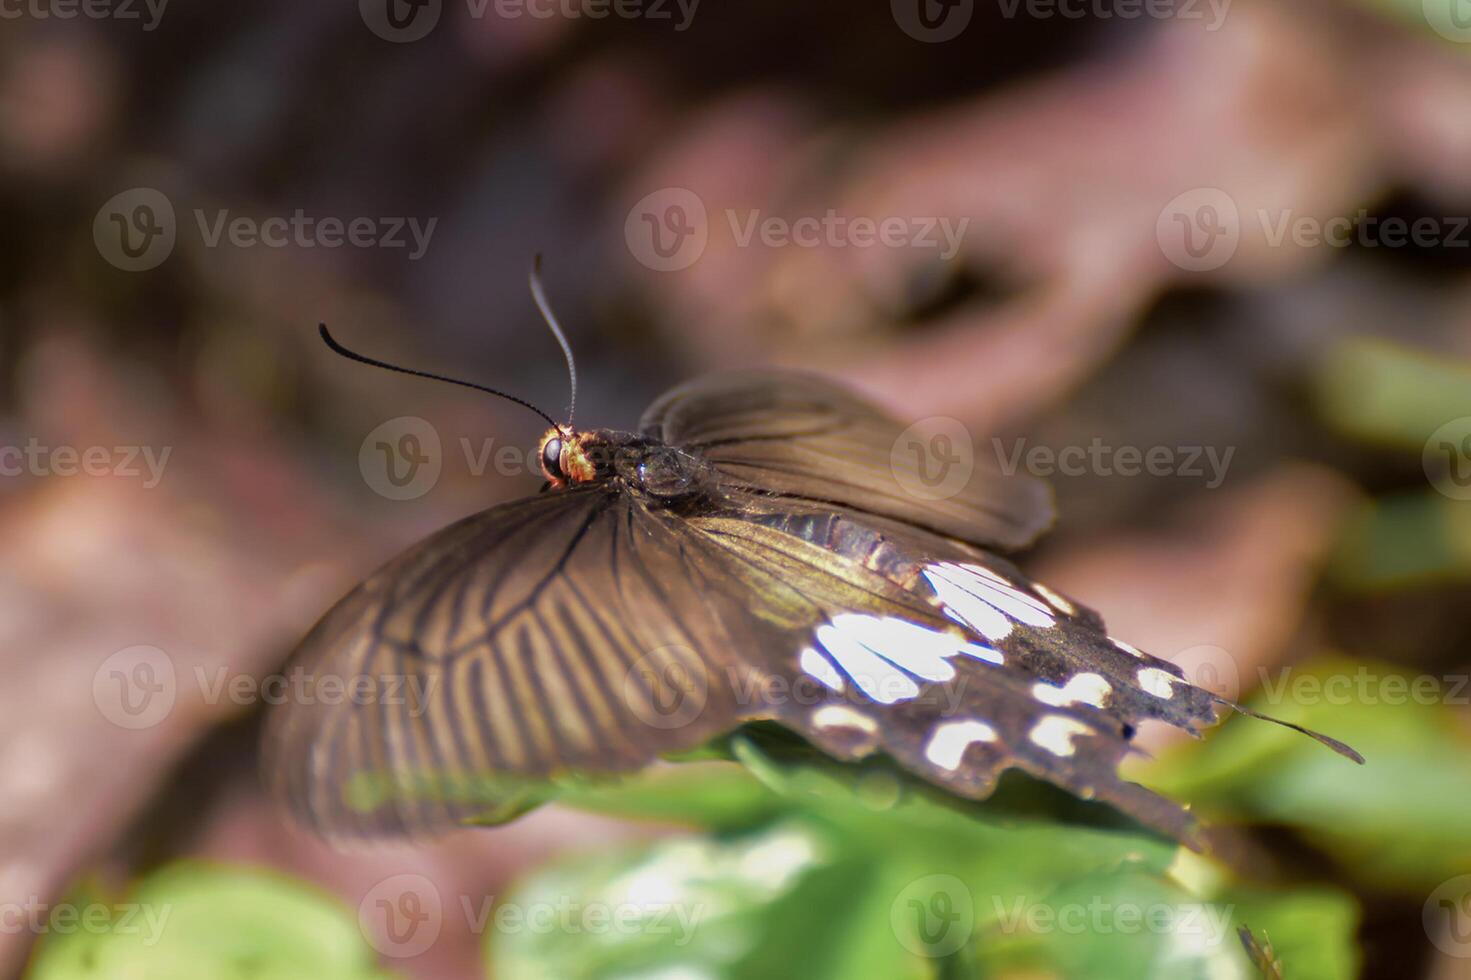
x=946, y=658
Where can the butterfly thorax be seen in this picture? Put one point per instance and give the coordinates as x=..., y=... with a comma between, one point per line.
x=623, y=461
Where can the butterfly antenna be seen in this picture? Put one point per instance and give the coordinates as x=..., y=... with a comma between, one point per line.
x=1347, y=751
x=539, y=294
x=355, y=356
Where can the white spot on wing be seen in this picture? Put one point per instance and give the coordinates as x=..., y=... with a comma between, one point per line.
x=979, y=598
x=984, y=571
x=966, y=608
x=1055, y=733
x=1058, y=602
x=842, y=716
x=1157, y=682
x=948, y=744
x=883, y=655
x=1019, y=604
x=1131, y=650
x=1086, y=688
x=880, y=679
x=822, y=669
x=919, y=650
x=983, y=653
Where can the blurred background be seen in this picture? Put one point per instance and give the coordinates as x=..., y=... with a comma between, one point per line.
x=1204, y=265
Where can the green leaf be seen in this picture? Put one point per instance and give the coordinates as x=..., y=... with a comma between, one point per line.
x=703, y=794
x=1387, y=394
x=1398, y=820
x=694, y=908
x=190, y=920
x=1311, y=932
x=1131, y=926
x=1117, y=927
x=879, y=876
x=1404, y=540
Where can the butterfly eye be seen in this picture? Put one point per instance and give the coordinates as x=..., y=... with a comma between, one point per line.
x=551, y=459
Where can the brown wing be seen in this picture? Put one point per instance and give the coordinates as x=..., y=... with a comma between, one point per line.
x=804, y=438
x=884, y=638
x=589, y=631
x=556, y=635
x=947, y=659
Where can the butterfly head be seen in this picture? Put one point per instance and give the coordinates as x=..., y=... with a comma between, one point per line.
x=565, y=458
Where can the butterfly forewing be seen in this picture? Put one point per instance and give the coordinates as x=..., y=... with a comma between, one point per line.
x=549, y=636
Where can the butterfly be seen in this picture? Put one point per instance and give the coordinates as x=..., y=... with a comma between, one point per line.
x=749, y=554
